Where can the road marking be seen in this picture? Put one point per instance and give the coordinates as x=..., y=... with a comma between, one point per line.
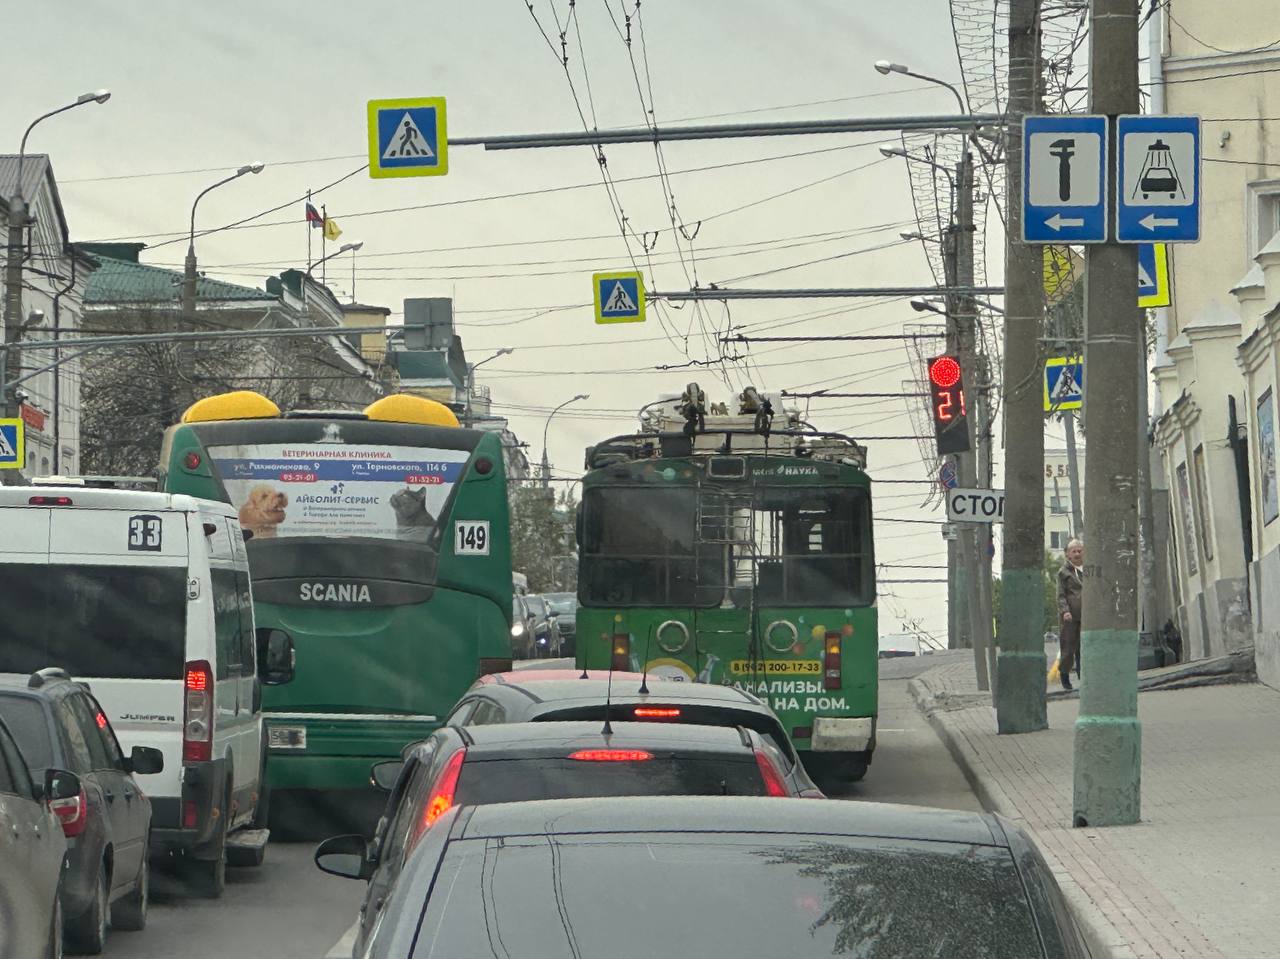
x=342, y=948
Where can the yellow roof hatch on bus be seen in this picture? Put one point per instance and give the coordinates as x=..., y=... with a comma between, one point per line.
x=238, y=405
x=406, y=408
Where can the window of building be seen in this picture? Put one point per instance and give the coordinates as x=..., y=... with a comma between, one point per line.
x=1059, y=538
x=1264, y=214
x=1202, y=502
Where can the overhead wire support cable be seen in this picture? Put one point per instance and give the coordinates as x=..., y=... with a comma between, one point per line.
x=899, y=292
x=740, y=338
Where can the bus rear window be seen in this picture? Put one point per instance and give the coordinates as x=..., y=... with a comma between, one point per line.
x=523, y=780
x=115, y=622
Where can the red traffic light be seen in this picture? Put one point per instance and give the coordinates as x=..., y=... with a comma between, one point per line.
x=944, y=371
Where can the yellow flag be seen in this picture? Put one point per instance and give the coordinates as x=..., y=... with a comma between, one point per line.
x=331, y=231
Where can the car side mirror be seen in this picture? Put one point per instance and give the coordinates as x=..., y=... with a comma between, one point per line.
x=60, y=784
x=276, y=657
x=385, y=774
x=145, y=761
x=345, y=856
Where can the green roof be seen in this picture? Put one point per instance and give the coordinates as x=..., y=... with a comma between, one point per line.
x=124, y=282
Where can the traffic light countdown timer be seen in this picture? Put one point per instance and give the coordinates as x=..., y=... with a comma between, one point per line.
x=947, y=404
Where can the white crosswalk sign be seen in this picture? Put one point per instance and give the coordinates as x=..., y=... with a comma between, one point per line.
x=12, y=441
x=407, y=141
x=619, y=297
x=408, y=137
x=1063, y=383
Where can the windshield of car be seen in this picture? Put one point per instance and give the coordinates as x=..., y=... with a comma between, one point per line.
x=26, y=720
x=94, y=621
x=518, y=780
x=562, y=605
x=536, y=606
x=872, y=898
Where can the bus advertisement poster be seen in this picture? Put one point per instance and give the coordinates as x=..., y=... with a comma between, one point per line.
x=389, y=492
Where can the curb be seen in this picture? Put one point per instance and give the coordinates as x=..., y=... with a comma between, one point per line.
x=1100, y=936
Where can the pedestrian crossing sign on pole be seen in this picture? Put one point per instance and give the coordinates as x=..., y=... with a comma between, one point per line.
x=1063, y=383
x=619, y=297
x=408, y=138
x=12, y=441
x=1153, y=275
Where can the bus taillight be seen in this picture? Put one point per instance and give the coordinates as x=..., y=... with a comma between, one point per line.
x=621, y=652
x=197, y=719
x=831, y=662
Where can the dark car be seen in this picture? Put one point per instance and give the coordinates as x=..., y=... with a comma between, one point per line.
x=535, y=761
x=537, y=695
x=565, y=608
x=546, y=631
x=522, y=629
x=732, y=876
x=32, y=852
x=59, y=725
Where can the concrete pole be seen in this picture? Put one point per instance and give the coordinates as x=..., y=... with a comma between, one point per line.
x=1149, y=621
x=12, y=364
x=1073, y=474
x=973, y=534
x=1020, y=686
x=958, y=579
x=1108, y=742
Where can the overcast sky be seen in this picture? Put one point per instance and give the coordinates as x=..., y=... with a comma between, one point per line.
x=207, y=87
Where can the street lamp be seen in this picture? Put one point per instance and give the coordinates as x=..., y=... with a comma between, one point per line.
x=884, y=67
x=345, y=248
x=189, y=271
x=546, y=463
x=471, y=380
x=13, y=267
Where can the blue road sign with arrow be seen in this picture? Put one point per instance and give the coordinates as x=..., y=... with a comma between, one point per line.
x=1158, y=179
x=1064, y=179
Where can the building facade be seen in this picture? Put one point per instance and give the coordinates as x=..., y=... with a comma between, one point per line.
x=1215, y=364
x=55, y=275
x=1059, y=524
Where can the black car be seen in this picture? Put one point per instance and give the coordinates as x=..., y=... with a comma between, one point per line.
x=546, y=631
x=535, y=761
x=535, y=695
x=33, y=853
x=59, y=725
x=723, y=877
x=565, y=608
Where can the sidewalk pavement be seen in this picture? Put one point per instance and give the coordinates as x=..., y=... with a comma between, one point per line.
x=1200, y=874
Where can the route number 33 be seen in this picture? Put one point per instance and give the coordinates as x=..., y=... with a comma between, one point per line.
x=471, y=538
x=144, y=533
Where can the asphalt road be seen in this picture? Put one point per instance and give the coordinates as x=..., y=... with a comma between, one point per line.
x=288, y=909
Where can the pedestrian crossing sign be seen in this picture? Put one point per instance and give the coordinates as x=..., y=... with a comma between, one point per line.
x=408, y=138
x=12, y=441
x=1153, y=275
x=619, y=297
x=1063, y=383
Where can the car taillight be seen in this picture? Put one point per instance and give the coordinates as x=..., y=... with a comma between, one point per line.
x=774, y=784
x=831, y=663
x=72, y=813
x=656, y=712
x=621, y=652
x=190, y=815
x=197, y=712
x=611, y=755
x=440, y=801
x=49, y=501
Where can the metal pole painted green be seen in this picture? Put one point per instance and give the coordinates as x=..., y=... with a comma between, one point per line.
x=1020, y=669
x=1108, y=743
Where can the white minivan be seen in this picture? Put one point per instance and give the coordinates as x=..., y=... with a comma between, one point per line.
x=146, y=597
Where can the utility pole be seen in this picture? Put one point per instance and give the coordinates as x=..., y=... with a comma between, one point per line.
x=11, y=367
x=1020, y=685
x=958, y=587
x=1108, y=743
x=1073, y=473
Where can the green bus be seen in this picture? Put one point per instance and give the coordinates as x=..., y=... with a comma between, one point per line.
x=380, y=541
x=725, y=550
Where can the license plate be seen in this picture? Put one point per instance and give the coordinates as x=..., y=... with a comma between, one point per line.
x=286, y=737
x=777, y=667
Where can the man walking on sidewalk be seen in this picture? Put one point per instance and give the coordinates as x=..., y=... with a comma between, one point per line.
x=1070, y=587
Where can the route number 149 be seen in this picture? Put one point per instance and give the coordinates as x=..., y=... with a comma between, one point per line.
x=471, y=538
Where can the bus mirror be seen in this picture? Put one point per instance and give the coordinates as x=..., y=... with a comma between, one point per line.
x=577, y=525
x=385, y=774
x=275, y=656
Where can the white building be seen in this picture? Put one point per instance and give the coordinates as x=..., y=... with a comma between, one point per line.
x=54, y=276
x=1218, y=351
x=1059, y=528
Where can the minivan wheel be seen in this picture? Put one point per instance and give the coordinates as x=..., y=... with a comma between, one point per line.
x=130, y=913
x=87, y=933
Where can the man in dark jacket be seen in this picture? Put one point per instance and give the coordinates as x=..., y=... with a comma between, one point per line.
x=1070, y=587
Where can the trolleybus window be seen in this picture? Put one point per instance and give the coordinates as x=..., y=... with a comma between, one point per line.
x=642, y=550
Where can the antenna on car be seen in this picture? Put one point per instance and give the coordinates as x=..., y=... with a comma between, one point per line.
x=644, y=677
x=608, y=698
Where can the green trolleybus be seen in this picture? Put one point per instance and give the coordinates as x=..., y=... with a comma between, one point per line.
x=379, y=540
x=723, y=549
